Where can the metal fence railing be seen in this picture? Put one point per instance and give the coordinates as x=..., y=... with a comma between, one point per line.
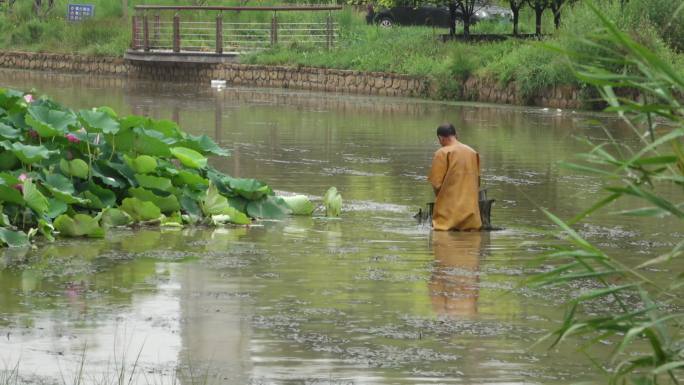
x=205, y=30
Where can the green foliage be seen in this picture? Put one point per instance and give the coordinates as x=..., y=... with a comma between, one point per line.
x=92, y=170
x=645, y=323
x=299, y=204
x=333, y=202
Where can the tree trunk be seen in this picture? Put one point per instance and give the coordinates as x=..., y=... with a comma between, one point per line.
x=557, y=18
x=516, y=19
x=538, y=12
x=466, y=26
x=452, y=19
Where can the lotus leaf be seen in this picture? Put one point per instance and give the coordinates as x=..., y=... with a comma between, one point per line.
x=11, y=195
x=112, y=217
x=189, y=158
x=99, y=197
x=99, y=121
x=61, y=188
x=49, y=122
x=299, y=204
x=143, y=164
x=76, y=167
x=78, y=226
x=46, y=229
x=153, y=182
x=26, y=153
x=187, y=177
x=204, y=144
x=166, y=128
x=8, y=161
x=166, y=204
x=250, y=189
x=13, y=238
x=268, y=208
x=140, y=210
x=34, y=198
x=216, y=204
x=137, y=140
x=56, y=207
x=8, y=132
x=333, y=202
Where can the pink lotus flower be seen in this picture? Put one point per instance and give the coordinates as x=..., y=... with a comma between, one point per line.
x=22, y=177
x=72, y=138
x=28, y=98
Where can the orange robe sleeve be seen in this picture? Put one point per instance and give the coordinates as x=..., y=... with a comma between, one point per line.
x=438, y=170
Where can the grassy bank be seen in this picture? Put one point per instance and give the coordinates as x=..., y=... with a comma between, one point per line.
x=407, y=50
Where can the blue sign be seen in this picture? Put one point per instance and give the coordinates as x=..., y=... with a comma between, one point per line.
x=78, y=12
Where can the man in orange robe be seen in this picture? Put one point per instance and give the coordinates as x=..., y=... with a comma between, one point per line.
x=455, y=178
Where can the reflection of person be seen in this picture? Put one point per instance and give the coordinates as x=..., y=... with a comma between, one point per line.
x=454, y=284
x=455, y=178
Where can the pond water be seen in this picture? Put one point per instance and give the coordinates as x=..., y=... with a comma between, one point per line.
x=370, y=298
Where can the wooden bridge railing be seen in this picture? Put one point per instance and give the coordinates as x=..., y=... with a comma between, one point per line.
x=202, y=29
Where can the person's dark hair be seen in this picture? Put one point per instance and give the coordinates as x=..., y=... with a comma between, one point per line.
x=446, y=130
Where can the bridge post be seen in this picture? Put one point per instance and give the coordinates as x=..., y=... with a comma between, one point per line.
x=134, y=33
x=176, y=33
x=146, y=34
x=219, y=33
x=157, y=27
x=329, y=33
x=274, y=29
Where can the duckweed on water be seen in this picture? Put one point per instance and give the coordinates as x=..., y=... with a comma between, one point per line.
x=75, y=174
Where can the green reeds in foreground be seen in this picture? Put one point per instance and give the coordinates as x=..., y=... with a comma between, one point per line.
x=644, y=317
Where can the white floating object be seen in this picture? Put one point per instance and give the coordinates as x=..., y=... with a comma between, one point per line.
x=218, y=83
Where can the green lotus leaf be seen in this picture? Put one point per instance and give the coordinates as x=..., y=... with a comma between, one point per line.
x=189, y=158
x=187, y=177
x=26, y=153
x=167, y=128
x=192, y=210
x=268, y=208
x=143, y=164
x=251, y=189
x=46, y=229
x=11, y=195
x=99, y=197
x=76, y=167
x=107, y=175
x=112, y=217
x=8, y=132
x=299, y=204
x=231, y=215
x=153, y=182
x=56, y=207
x=34, y=198
x=98, y=121
x=333, y=202
x=8, y=161
x=49, y=122
x=13, y=238
x=166, y=204
x=140, y=210
x=79, y=226
x=239, y=203
x=214, y=203
x=204, y=144
x=137, y=140
x=61, y=188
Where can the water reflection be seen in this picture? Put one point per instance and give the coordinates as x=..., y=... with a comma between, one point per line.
x=455, y=281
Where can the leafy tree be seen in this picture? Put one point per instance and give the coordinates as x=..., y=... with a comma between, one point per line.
x=515, y=8
x=468, y=9
x=556, y=7
x=539, y=7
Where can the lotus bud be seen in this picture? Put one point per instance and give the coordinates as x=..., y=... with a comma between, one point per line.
x=72, y=138
x=23, y=177
x=28, y=98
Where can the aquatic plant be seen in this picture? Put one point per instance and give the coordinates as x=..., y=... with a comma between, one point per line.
x=643, y=317
x=76, y=173
x=333, y=202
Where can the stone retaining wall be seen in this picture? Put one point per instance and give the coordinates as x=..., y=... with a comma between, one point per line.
x=302, y=78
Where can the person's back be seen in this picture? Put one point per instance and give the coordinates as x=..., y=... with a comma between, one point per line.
x=455, y=178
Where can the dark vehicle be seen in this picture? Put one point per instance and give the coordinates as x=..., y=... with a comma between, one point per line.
x=428, y=15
